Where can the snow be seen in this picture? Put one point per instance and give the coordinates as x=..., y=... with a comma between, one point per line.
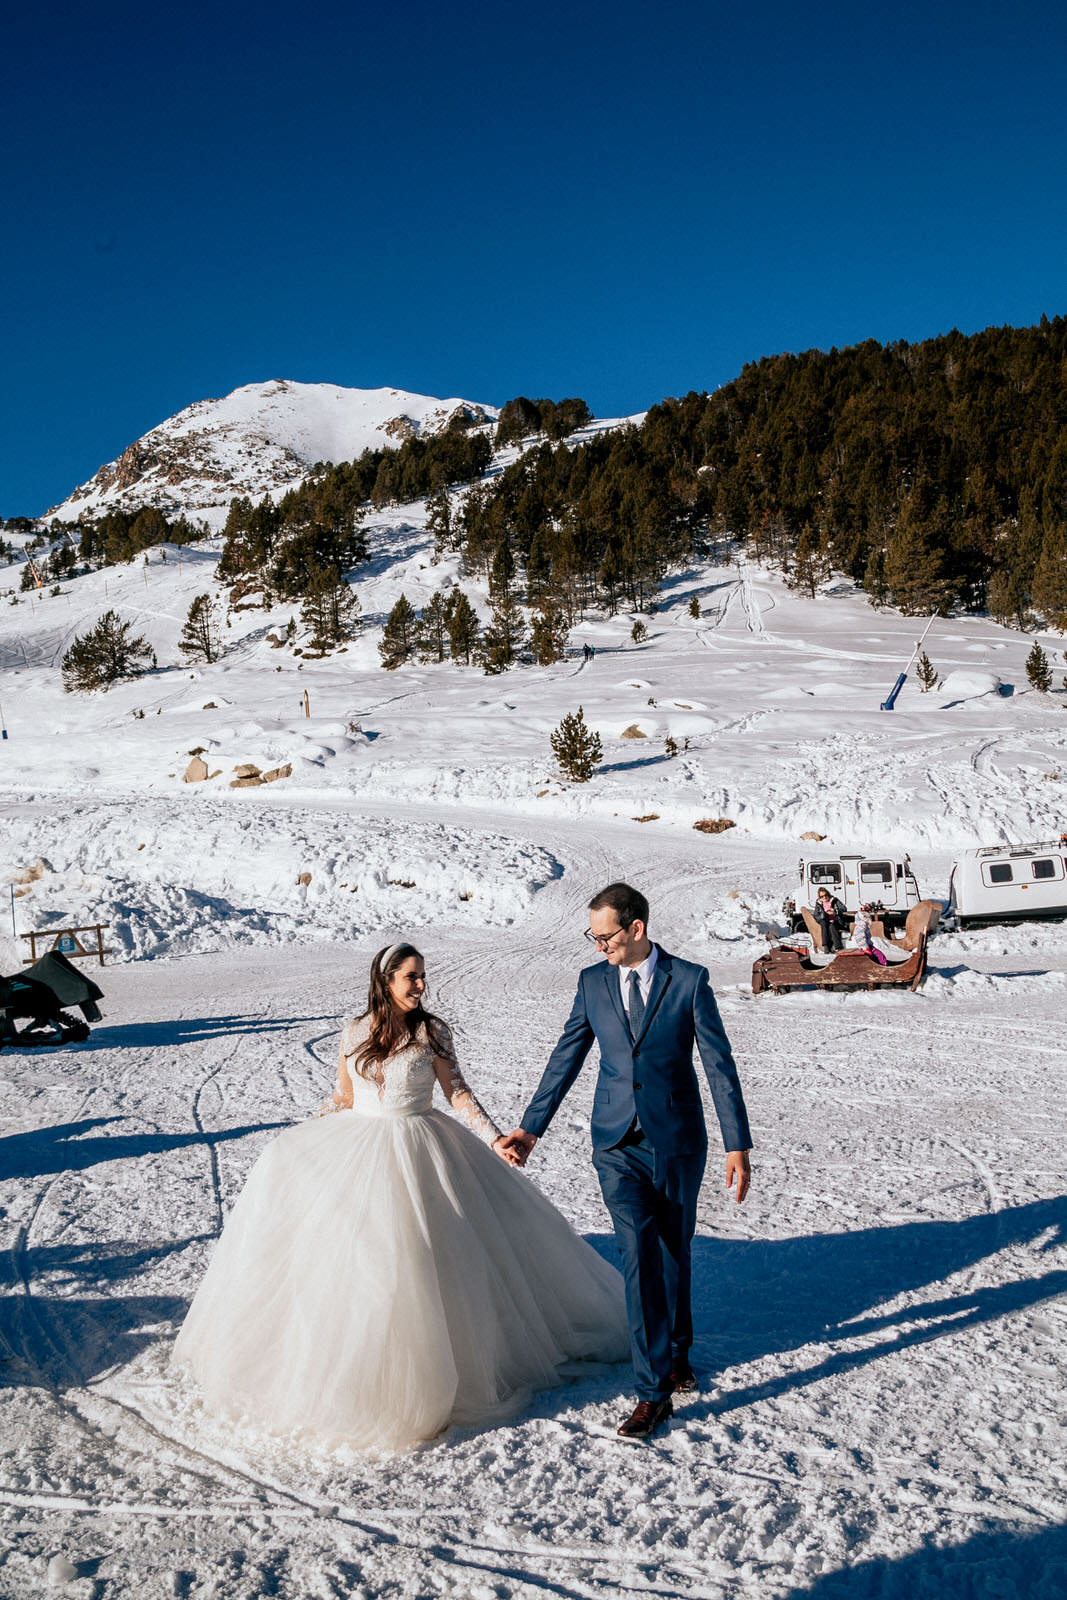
x=259, y=439
x=880, y=1328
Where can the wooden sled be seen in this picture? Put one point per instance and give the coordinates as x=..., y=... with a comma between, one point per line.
x=785, y=968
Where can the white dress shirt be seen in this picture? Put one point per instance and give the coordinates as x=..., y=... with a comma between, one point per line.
x=644, y=979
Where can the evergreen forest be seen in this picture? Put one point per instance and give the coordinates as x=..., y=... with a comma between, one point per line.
x=933, y=474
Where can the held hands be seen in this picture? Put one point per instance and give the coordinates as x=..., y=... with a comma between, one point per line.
x=507, y=1151
x=516, y=1146
x=739, y=1167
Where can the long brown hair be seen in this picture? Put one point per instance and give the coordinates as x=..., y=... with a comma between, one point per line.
x=391, y=1029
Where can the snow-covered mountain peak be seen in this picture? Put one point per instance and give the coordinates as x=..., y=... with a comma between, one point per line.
x=260, y=439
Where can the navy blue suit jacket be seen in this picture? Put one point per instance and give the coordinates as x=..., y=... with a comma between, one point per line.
x=651, y=1076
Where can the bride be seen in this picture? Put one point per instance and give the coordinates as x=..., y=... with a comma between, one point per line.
x=383, y=1274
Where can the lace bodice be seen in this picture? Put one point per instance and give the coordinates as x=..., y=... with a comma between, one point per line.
x=403, y=1083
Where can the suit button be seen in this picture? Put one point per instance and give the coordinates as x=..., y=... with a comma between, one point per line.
x=637, y=1086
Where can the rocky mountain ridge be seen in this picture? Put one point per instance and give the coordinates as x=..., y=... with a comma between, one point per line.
x=259, y=439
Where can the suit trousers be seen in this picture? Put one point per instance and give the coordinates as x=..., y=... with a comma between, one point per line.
x=652, y=1203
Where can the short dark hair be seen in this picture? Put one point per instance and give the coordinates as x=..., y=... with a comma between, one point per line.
x=629, y=905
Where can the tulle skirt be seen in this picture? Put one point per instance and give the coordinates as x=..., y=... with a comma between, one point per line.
x=382, y=1277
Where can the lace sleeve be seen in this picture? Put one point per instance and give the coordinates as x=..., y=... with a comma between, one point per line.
x=341, y=1099
x=460, y=1095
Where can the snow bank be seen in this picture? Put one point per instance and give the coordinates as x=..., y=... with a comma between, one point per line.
x=208, y=875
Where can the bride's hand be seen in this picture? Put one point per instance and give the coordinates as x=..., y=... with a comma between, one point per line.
x=511, y=1156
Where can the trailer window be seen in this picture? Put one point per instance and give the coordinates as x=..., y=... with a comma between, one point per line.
x=1045, y=868
x=999, y=872
x=828, y=872
x=880, y=872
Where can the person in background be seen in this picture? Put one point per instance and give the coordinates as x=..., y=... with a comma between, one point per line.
x=830, y=915
x=862, y=938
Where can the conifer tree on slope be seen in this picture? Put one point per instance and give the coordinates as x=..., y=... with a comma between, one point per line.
x=576, y=747
x=330, y=610
x=433, y=628
x=1038, y=669
x=200, y=637
x=400, y=635
x=811, y=562
x=439, y=523
x=463, y=628
x=548, y=636
x=1050, y=579
x=104, y=655
x=505, y=635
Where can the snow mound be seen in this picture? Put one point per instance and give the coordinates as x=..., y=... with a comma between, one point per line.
x=199, y=880
x=970, y=684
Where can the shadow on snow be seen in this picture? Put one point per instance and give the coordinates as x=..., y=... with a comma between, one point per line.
x=757, y=1298
x=64, y=1147
x=1023, y=1564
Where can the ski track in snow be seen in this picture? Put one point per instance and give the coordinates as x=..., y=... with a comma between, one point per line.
x=880, y=1328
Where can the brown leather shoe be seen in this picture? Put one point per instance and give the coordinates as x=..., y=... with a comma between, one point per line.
x=683, y=1378
x=646, y=1417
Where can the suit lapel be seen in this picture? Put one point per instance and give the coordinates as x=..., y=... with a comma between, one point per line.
x=661, y=978
x=611, y=979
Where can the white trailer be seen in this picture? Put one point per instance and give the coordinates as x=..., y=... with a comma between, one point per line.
x=885, y=881
x=1009, y=883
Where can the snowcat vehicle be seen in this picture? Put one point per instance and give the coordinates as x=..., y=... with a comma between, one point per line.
x=886, y=883
x=1009, y=883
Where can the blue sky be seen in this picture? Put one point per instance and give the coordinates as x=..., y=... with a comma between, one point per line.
x=609, y=200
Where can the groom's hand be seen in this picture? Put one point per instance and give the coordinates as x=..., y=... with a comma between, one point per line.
x=521, y=1143
x=738, y=1166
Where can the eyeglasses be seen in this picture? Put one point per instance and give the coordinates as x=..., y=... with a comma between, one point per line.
x=604, y=940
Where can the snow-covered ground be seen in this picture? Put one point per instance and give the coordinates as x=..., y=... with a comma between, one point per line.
x=880, y=1327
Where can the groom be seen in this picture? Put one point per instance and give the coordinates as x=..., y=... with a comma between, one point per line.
x=646, y=1010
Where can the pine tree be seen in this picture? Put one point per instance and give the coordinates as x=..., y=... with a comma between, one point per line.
x=104, y=655
x=200, y=635
x=927, y=674
x=503, y=639
x=439, y=522
x=694, y=607
x=874, y=578
x=1050, y=579
x=610, y=576
x=638, y=633
x=548, y=636
x=399, y=637
x=1038, y=670
x=917, y=556
x=1008, y=598
x=433, y=628
x=811, y=562
x=502, y=574
x=330, y=610
x=576, y=747
x=463, y=627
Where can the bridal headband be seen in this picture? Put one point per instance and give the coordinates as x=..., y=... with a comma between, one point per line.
x=390, y=953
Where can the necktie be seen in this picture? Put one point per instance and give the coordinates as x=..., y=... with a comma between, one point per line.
x=637, y=1005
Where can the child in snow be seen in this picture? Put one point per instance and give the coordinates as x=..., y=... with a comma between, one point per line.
x=862, y=937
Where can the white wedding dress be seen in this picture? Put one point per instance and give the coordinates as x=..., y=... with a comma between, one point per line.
x=384, y=1273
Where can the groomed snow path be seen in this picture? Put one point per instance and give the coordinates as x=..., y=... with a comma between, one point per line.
x=881, y=1411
